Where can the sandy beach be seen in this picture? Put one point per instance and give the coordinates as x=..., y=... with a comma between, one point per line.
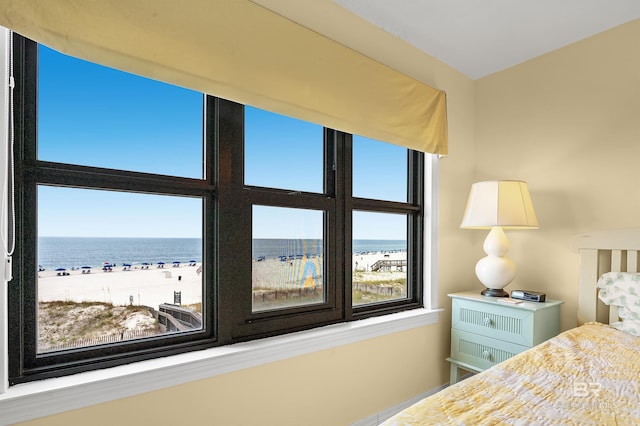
x=150, y=287
x=154, y=286
x=301, y=278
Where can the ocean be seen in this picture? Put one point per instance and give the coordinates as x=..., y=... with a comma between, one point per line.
x=70, y=252
x=75, y=252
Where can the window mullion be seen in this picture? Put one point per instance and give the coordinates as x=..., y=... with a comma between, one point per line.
x=233, y=220
x=346, y=195
x=92, y=177
x=384, y=206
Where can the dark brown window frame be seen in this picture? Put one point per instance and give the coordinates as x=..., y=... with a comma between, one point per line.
x=227, y=223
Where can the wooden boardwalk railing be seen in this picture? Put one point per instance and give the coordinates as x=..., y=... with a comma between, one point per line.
x=389, y=264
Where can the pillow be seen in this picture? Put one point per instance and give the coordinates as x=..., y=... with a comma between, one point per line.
x=621, y=289
x=628, y=326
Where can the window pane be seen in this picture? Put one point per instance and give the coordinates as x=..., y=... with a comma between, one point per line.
x=288, y=253
x=96, y=116
x=379, y=170
x=379, y=257
x=282, y=152
x=116, y=266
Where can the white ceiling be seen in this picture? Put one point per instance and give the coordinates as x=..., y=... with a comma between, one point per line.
x=477, y=37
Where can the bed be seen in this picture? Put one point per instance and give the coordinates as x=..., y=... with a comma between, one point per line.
x=589, y=375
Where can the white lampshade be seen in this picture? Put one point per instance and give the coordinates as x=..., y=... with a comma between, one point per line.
x=505, y=203
x=496, y=205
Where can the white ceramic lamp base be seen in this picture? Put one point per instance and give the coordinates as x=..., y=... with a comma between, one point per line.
x=495, y=270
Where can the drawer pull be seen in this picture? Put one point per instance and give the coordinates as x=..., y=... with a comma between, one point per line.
x=487, y=321
x=486, y=355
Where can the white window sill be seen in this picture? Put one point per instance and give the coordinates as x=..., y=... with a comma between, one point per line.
x=46, y=397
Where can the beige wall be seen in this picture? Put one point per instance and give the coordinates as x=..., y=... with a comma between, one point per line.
x=331, y=387
x=568, y=123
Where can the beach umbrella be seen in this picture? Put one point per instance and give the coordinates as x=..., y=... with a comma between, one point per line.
x=61, y=269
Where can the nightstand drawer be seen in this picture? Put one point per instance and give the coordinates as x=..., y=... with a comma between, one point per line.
x=499, y=322
x=481, y=351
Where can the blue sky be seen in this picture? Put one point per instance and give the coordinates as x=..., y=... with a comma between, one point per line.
x=96, y=116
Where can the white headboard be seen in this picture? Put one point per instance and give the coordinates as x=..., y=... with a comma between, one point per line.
x=601, y=252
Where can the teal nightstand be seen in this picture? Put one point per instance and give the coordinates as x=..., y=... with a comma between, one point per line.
x=485, y=332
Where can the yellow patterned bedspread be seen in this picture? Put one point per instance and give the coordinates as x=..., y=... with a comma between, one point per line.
x=589, y=375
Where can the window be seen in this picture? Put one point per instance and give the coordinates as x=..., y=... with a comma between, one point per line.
x=116, y=266
x=287, y=269
x=379, y=257
x=379, y=170
x=282, y=152
x=115, y=205
x=143, y=125
x=153, y=220
x=386, y=226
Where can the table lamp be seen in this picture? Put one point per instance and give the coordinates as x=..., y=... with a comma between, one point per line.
x=498, y=205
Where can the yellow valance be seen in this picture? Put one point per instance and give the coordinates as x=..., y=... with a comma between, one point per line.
x=240, y=51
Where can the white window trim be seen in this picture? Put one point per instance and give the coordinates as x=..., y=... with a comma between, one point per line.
x=432, y=219
x=4, y=143
x=36, y=399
